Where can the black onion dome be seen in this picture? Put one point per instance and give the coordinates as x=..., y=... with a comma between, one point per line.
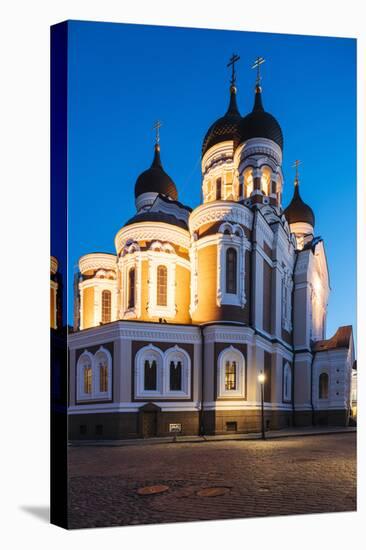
x=156, y=180
x=261, y=124
x=298, y=211
x=225, y=128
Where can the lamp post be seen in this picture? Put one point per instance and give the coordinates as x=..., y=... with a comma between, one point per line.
x=261, y=380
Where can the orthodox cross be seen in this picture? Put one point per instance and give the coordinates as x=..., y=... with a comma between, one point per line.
x=257, y=63
x=296, y=165
x=156, y=127
x=233, y=59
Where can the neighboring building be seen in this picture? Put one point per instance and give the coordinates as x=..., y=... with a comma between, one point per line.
x=173, y=329
x=354, y=391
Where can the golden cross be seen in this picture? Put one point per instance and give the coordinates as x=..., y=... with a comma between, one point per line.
x=233, y=59
x=296, y=165
x=257, y=63
x=156, y=127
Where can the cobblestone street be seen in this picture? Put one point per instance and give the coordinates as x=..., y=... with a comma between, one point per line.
x=296, y=475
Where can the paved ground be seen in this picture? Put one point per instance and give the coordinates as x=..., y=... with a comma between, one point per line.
x=296, y=475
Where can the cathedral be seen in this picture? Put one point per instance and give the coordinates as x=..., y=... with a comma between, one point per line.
x=200, y=312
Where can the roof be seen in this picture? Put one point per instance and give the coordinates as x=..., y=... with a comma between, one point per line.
x=260, y=124
x=157, y=217
x=298, y=210
x=226, y=128
x=340, y=339
x=155, y=179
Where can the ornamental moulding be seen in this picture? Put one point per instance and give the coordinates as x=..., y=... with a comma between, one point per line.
x=209, y=213
x=152, y=232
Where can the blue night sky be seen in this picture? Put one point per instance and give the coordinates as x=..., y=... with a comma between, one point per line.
x=124, y=77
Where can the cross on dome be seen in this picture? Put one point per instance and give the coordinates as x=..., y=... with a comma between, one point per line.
x=257, y=63
x=233, y=59
x=158, y=124
x=296, y=165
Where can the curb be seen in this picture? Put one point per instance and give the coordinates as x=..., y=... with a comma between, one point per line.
x=204, y=439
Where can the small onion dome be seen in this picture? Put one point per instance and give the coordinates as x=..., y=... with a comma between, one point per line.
x=261, y=124
x=298, y=211
x=155, y=180
x=226, y=128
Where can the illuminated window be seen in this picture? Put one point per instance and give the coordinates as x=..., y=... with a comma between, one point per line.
x=248, y=182
x=106, y=306
x=323, y=386
x=162, y=280
x=175, y=375
x=131, y=288
x=87, y=380
x=231, y=262
x=150, y=375
x=218, y=189
x=266, y=181
x=103, y=377
x=230, y=375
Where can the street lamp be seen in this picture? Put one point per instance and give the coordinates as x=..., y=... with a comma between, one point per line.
x=261, y=380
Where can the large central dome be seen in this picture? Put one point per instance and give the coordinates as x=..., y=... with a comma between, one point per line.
x=226, y=128
x=260, y=124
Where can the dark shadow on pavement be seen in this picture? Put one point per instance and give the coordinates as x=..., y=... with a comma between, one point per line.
x=40, y=512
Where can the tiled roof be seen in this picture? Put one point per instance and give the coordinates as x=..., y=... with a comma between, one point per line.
x=340, y=339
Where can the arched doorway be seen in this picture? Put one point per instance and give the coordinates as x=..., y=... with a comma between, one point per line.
x=149, y=420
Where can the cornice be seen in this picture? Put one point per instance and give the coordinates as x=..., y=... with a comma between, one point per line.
x=152, y=231
x=220, y=211
x=96, y=261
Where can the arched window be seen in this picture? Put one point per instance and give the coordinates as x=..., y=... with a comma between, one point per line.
x=287, y=382
x=106, y=306
x=266, y=180
x=323, y=386
x=248, y=181
x=150, y=375
x=103, y=377
x=231, y=269
x=218, y=189
x=131, y=288
x=87, y=379
x=230, y=375
x=162, y=281
x=175, y=376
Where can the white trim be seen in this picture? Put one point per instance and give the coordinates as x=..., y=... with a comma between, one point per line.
x=98, y=260
x=152, y=231
x=215, y=211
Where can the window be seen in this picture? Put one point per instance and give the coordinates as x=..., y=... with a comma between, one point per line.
x=103, y=377
x=231, y=262
x=230, y=375
x=162, y=280
x=218, y=189
x=323, y=386
x=131, y=288
x=287, y=382
x=106, y=306
x=87, y=379
x=150, y=375
x=175, y=375
x=94, y=375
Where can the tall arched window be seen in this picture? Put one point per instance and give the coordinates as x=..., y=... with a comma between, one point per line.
x=287, y=382
x=162, y=281
x=106, y=306
x=87, y=379
x=150, y=375
x=231, y=269
x=175, y=375
x=230, y=375
x=218, y=189
x=103, y=376
x=323, y=386
x=131, y=288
